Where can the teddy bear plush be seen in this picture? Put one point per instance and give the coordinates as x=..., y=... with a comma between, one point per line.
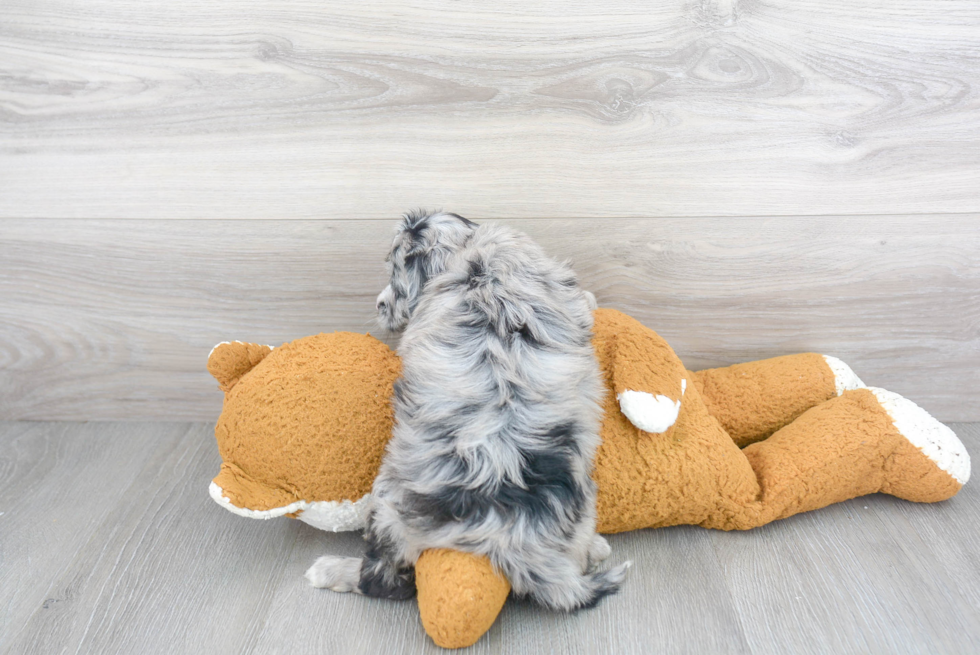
x=304, y=426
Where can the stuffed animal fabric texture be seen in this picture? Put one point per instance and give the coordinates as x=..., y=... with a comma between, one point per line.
x=303, y=436
x=807, y=444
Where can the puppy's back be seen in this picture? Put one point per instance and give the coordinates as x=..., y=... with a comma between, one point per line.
x=498, y=368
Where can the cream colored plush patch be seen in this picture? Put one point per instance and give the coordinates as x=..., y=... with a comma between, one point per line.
x=935, y=440
x=328, y=515
x=654, y=414
x=844, y=378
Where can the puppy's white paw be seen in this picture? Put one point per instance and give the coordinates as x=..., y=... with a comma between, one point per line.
x=335, y=573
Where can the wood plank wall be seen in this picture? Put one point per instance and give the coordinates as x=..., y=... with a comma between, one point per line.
x=114, y=319
x=748, y=178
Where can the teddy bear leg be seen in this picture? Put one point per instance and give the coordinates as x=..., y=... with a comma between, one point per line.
x=754, y=399
x=862, y=442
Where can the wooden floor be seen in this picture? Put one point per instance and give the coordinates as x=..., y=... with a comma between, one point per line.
x=109, y=543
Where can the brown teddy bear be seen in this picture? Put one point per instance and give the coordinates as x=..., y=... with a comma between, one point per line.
x=304, y=427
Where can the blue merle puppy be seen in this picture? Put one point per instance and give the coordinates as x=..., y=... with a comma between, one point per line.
x=497, y=416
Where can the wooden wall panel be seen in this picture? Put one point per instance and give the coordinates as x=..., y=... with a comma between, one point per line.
x=114, y=319
x=559, y=108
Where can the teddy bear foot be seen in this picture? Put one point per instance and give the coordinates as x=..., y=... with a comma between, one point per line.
x=933, y=464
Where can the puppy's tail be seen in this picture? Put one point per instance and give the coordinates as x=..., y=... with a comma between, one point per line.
x=361, y=576
x=563, y=587
x=604, y=583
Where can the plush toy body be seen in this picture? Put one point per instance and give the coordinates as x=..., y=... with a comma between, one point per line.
x=304, y=426
x=811, y=437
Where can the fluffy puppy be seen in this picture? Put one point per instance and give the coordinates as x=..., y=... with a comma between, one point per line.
x=496, y=419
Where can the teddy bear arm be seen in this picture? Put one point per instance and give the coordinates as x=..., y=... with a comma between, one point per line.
x=753, y=400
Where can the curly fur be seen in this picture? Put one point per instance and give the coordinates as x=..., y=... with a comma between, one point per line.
x=496, y=418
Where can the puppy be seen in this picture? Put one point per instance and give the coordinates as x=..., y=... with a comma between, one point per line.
x=497, y=415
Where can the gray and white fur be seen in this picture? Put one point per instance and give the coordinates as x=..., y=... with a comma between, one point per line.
x=497, y=417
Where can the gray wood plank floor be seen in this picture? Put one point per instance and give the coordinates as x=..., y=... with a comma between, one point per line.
x=109, y=543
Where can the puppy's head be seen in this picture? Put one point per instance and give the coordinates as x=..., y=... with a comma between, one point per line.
x=423, y=244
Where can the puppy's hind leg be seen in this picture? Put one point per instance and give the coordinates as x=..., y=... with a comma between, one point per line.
x=377, y=575
x=383, y=578
x=372, y=577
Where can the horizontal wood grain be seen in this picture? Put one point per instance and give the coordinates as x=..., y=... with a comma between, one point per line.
x=560, y=108
x=115, y=319
x=111, y=544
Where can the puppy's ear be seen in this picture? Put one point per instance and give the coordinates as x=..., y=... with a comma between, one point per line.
x=414, y=225
x=429, y=242
x=425, y=231
x=465, y=221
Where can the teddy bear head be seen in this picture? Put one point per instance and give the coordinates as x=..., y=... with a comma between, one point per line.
x=303, y=427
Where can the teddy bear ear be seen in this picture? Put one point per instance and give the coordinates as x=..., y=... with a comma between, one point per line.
x=229, y=361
